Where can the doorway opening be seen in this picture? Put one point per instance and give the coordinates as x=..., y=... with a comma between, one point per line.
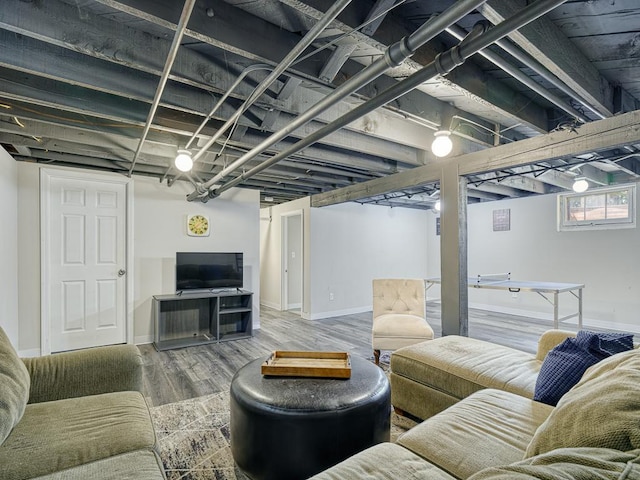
x=292, y=261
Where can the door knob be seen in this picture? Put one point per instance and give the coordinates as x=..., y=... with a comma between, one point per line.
x=121, y=272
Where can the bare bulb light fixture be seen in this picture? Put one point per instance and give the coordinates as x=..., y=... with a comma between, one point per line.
x=580, y=185
x=442, y=145
x=437, y=206
x=183, y=161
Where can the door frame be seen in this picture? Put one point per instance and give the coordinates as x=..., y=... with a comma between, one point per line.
x=284, y=290
x=46, y=174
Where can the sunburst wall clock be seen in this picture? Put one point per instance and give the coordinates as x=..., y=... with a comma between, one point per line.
x=198, y=225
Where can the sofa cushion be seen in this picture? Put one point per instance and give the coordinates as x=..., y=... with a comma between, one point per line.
x=14, y=394
x=490, y=427
x=570, y=464
x=62, y=434
x=601, y=411
x=138, y=465
x=564, y=365
x=385, y=461
x=460, y=366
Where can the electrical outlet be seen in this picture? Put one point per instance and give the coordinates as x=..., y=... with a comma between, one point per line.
x=331, y=296
x=514, y=294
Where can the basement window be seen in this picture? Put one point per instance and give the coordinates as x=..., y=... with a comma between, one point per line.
x=598, y=209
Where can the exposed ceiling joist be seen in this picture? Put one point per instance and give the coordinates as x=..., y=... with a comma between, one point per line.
x=541, y=40
x=77, y=81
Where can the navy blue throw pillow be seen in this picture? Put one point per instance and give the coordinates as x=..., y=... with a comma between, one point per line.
x=564, y=365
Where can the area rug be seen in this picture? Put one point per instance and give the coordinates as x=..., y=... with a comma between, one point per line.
x=193, y=438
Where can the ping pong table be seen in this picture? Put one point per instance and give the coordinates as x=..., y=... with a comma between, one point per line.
x=550, y=291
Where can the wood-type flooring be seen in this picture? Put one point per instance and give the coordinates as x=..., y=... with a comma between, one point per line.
x=174, y=375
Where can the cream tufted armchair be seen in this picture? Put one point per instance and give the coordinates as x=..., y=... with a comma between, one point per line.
x=399, y=314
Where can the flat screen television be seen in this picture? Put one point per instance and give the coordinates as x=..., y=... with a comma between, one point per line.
x=208, y=270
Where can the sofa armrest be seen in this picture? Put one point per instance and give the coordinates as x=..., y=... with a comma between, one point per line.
x=549, y=339
x=92, y=371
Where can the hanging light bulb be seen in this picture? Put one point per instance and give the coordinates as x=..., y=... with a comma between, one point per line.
x=436, y=206
x=442, y=144
x=580, y=185
x=183, y=161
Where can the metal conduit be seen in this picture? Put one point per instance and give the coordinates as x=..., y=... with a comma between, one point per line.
x=311, y=35
x=512, y=70
x=173, y=51
x=541, y=70
x=394, y=56
x=216, y=107
x=244, y=73
x=443, y=64
x=264, y=66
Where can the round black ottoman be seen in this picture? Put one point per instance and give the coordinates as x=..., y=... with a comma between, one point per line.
x=290, y=428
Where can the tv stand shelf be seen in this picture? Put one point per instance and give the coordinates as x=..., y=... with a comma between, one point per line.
x=188, y=319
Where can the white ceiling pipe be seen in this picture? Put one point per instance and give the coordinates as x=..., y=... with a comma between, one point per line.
x=238, y=81
x=173, y=51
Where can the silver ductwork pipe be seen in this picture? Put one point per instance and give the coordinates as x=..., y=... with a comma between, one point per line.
x=515, y=72
x=443, y=64
x=307, y=40
x=394, y=56
x=541, y=70
x=173, y=51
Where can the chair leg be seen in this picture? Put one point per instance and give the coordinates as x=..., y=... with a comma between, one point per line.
x=399, y=411
x=376, y=356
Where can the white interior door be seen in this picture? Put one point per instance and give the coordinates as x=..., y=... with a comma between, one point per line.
x=292, y=261
x=84, y=260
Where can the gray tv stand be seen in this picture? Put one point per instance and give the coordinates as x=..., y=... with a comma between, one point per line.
x=187, y=319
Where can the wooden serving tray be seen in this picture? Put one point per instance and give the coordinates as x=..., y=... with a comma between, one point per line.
x=308, y=364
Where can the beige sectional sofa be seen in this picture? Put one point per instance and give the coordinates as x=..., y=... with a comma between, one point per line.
x=428, y=377
x=480, y=421
x=75, y=415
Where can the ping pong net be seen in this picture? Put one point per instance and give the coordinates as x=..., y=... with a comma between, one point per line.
x=492, y=278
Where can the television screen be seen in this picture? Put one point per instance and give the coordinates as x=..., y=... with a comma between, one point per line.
x=208, y=270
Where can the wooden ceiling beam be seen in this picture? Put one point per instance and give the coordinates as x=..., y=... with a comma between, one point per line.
x=611, y=132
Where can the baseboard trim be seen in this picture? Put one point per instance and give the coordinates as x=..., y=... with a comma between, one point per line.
x=275, y=306
x=30, y=353
x=143, y=340
x=571, y=323
x=337, y=313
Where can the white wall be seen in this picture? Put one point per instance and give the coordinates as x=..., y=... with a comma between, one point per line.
x=159, y=218
x=9, y=246
x=271, y=252
x=606, y=261
x=294, y=261
x=29, y=258
x=351, y=244
x=160, y=214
